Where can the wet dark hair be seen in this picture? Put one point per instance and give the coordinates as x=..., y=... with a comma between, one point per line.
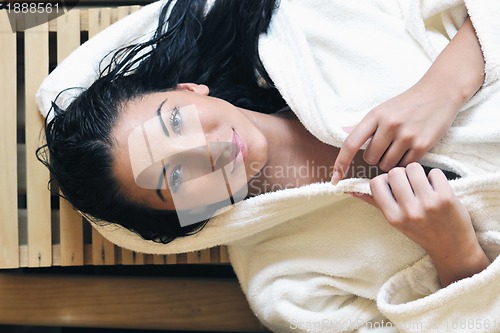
x=219, y=50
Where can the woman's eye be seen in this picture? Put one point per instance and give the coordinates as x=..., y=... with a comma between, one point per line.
x=176, y=121
x=175, y=179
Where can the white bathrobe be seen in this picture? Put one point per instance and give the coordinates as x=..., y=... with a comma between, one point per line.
x=312, y=259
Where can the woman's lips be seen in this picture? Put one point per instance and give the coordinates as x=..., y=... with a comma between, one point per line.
x=235, y=147
x=241, y=144
x=223, y=153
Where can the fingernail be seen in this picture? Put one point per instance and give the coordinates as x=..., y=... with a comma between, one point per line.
x=335, y=178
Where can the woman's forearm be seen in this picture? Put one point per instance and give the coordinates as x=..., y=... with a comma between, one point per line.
x=425, y=209
x=458, y=71
x=459, y=263
x=402, y=129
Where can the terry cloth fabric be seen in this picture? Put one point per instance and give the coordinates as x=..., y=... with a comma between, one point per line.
x=312, y=259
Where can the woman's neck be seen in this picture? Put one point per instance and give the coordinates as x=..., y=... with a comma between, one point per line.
x=296, y=157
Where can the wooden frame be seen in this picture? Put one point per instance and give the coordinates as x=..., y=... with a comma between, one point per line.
x=125, y=302
x=37, y=229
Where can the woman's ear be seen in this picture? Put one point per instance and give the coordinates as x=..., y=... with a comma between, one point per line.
x=194, y=87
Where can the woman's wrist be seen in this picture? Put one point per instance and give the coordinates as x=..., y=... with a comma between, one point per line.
x=458, y=72
x=454, y=265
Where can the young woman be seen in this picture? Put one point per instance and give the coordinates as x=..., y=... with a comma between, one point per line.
x=201, y=78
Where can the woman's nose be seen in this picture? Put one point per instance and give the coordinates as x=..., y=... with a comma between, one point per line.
x=193, y=154
x=215, y=155
x=221, y=153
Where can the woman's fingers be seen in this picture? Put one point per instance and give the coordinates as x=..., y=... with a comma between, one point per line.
x=412, y=155
x=418, y=180
x=440, y=184
x=358, y=136
x=402, y=151
x=401, y=187
x=377, y=148
x=393, y=156
x=383, y=197
x=402, y=193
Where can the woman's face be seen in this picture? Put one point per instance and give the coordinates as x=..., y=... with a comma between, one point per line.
x=183, y=150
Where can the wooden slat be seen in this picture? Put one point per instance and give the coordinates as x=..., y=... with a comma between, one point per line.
x=84, y=17
x=126, y=10
x=71, y=234
x=148, y=259
x=158, y=260
x=37, y=176
x=199, y=257
x=132, y=258
x=171, y=259
x=216, y=305
x=68, y=34
x=103, y=251
x=224, y=255
x=99, y=19
x=9, y=247
x=84, y=20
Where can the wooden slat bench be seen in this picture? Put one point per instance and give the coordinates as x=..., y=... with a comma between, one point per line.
x=37, y=229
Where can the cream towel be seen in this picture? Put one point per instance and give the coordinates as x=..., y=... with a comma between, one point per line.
x=312, y=259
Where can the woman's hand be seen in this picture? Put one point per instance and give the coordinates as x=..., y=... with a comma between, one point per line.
x=402, y=129
x=407, y=126
x=426, y=210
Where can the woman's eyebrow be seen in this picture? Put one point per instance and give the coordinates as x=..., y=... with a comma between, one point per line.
x=160, y=182
x=162, y=123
